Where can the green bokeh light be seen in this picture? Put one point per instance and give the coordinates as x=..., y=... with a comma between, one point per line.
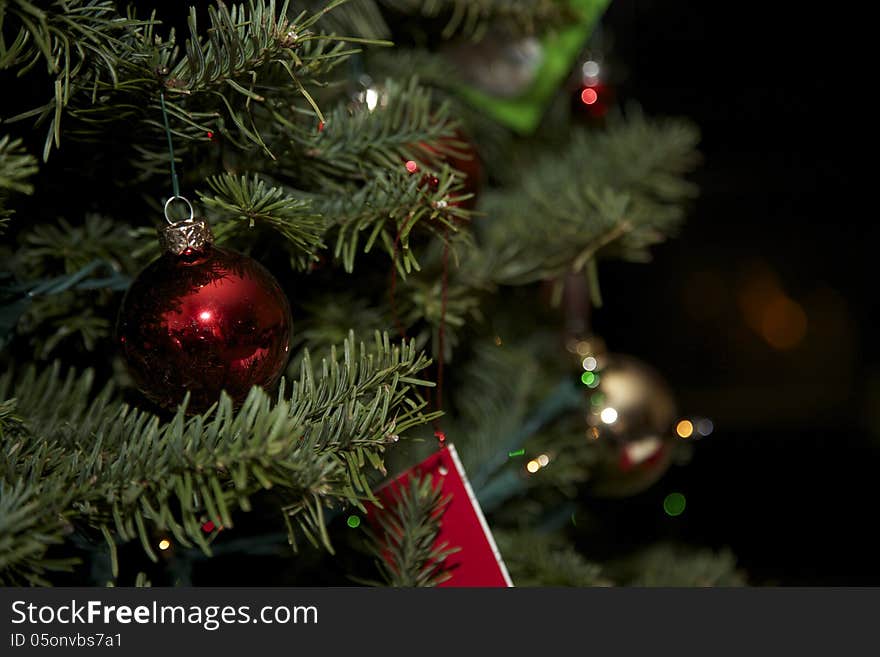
x=354, y=522
x=674, y=504
x=587, y=378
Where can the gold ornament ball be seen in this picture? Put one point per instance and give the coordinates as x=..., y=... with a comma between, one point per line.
x=630, y=413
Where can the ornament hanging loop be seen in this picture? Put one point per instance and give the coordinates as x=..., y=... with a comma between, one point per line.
x=168, y=205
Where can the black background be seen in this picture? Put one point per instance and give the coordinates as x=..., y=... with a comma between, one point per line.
x=788, y=479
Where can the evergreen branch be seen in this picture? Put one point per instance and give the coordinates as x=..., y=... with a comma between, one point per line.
x=616, y=192
x=545, y=560
x=386, y=209
x=30, y=522
x=126, y=469
x=404, y=543
x=251, y=200
x=668, y=564
x=356, y=141
x=362, y=18
x=16, y=166
x=51, y=249
x=76, y=40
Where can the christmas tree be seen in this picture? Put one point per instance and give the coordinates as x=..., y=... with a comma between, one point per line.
x=406, y=203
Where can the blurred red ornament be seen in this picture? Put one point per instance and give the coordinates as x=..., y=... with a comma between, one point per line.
x=459, y=153
x=202, y=321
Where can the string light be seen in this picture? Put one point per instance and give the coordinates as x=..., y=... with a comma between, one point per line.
x=608, y=415
x=684, y=429
x=543, y=460
x=533, y=466
x=353, y=521
x=411, y=166
x=589, y=363
x=164, y=544
x=587, y=378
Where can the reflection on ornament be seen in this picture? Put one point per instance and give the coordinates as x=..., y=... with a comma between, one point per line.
x=630, y=414
x=496, y=65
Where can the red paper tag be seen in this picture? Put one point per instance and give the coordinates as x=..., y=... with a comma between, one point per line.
x=478, y=562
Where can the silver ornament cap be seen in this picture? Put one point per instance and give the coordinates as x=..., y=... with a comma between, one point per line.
x=191, y=234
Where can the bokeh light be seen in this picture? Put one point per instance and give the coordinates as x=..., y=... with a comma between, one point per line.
x=543, y=460
x=608, y=415
x=354, y=521
x=684, y=429
x=590, y=69
x=533, y=466
x=589, y=363
x=589, y=96
x=783, y=323
x=674, y=504
x=164, y=544
x=705, y=426
x=411, y=166
x=587, y=378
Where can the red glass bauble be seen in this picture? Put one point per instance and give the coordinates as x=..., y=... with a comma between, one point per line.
x=203, y=322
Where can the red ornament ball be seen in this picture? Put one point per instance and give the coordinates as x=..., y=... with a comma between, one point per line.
x=201, y=322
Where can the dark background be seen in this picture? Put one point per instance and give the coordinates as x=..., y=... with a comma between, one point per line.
x=788, y=480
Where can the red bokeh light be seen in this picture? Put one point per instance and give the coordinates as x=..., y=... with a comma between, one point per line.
x=589, y=96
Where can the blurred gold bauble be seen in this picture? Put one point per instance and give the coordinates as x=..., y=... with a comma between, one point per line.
x=630, y=413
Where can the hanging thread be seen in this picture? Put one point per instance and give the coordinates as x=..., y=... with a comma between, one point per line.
x=175, y=185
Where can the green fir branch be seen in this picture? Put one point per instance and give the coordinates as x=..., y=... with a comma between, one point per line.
x=385, y=211
x=126, y=470
x=404, y=544
x=356, y=141
x=545, y=560
x=611, y=193
x=249, y=202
